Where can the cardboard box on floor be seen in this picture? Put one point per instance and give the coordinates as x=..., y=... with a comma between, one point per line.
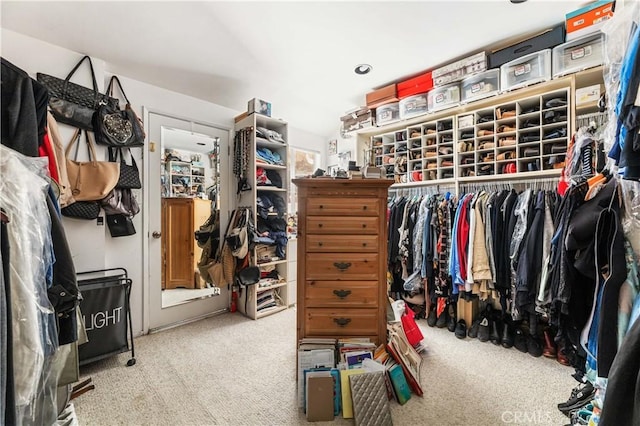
x=468, y=310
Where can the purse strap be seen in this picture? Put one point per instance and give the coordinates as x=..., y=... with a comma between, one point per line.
x=76, y=137
x=114, y=153
x=93, y=77
x=111, y=86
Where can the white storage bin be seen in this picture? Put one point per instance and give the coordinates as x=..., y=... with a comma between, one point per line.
x=527, y=70
x=481, y=86
x=443, y=97
x=388, y=113
x=413, y=106
x=577, y=55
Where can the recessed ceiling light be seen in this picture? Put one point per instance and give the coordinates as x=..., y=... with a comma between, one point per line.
x=363, y=69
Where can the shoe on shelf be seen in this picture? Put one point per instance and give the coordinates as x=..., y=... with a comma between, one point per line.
x=534, y=347
x=520, y=340
x=473, y=331
x=507, y=334
x=549, y=350
x=461, y=329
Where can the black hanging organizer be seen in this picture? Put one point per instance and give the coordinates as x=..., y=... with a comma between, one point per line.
x=106, y=314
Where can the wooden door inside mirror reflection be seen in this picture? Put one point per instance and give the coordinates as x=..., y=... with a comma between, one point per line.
x=181, y=217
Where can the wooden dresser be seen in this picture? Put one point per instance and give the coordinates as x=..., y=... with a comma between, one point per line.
x=342, y=258
x=181, y=217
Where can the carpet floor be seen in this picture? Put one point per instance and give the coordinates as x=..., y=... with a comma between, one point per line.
x=229, y=370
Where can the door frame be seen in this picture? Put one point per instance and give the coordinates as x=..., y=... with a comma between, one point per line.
x=225, y=200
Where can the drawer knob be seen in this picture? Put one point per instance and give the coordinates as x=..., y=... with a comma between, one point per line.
x=364, y=225
x=320, y=243
x=342, y=266
x=319, y=225
x=342, y=321
x=364, y=207
x=342, y=293
x=364, y=244
x=321, y=206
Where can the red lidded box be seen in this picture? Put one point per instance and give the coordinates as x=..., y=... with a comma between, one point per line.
x=413, y=86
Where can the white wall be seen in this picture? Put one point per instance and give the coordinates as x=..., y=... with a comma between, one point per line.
x=91, y=245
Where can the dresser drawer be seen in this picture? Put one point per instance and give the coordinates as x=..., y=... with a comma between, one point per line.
x=340, y=322
x=342, y=267
x=337, y=206
x=342, y=243
x=333, y=294
x=342, y=225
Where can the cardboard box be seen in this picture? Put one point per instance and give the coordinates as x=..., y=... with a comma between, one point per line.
x=588, y=18
x=585, y=95
x=382, y=96
x=259, y=106
x=468, y=310
x=416, y=85
x=360, y=118
x=545, y=40
x=240, y=117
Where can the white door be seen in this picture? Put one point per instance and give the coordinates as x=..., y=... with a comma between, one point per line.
x=156, y=315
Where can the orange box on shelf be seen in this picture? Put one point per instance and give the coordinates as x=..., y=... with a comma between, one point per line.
x=588, y=18
x=382, y=96
x=416, y=85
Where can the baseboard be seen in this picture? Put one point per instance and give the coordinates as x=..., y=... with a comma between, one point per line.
x=187, y=321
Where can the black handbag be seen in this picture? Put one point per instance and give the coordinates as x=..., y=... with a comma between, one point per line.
x=87, y=210
x=120, y=225
x=129, y=174
x=71, y=103
x=115, y=127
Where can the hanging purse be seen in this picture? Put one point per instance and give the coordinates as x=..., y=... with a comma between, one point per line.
x=115, y=127
x=71, y=103
x=90, y=180
x=120, y=225
x=129, y=174
x=87, y=210
x=120, y=201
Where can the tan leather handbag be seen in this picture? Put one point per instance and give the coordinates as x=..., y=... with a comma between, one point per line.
x=90, y=180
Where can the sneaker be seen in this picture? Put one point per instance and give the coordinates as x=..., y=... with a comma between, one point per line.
x=582, y=392
x=461, y=329
x=473, y=331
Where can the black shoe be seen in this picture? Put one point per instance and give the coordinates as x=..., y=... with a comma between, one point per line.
x=495, y=337
x=520, y=340
x=473, y=331
x=432, y=318
x=443, y=319
x=484, y=329
x=461, y=329
x=451, y=324
x=584, y=388
x=534, y=347
x=582, y=398
x=507, y=334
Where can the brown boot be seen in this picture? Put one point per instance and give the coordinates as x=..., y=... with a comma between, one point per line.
x=549, y=349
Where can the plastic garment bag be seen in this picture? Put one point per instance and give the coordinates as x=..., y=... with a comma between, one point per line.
x=23, y=192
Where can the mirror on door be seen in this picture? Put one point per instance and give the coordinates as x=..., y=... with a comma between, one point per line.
x=190, y=201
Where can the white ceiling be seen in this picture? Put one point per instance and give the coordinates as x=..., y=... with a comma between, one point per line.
x=298, y=55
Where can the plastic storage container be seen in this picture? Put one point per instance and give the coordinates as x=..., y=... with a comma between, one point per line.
x=577, y=55
x=481, y=86
x=388, y=113
x=525, y=71
x=443, y=97
x=413, y=106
